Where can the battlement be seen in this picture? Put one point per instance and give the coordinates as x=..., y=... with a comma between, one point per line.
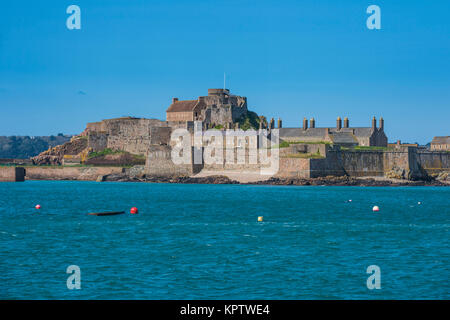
x=219, y=107
x=218, y=92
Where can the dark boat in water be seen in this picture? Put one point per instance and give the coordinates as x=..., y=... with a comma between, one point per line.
x=112, y=213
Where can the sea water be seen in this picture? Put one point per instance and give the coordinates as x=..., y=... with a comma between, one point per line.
x=192, y=241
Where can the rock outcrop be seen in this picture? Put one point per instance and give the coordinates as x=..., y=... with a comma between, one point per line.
x=55, y=155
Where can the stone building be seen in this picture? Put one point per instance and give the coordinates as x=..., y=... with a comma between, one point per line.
x=342, y=134
x=133, y=135
x=219, y=107
x=440, y=144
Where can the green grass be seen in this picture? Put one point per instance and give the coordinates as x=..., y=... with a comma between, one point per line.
x=369, y=148
x=104, y=152
x=309, y=142
x=286, y=144
x=139, y=157
x=305, y=156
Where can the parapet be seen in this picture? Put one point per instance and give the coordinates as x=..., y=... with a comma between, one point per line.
x=218, y=92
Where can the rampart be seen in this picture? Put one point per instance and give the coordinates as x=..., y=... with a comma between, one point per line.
x=159, y=163
x=133, y=135
x=405, y=163
x=12, y=174
x=70, y=173
x=433, y=162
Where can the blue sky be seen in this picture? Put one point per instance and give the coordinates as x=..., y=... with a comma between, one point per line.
x=290, y=58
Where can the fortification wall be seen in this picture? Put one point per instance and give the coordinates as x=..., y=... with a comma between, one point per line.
x=97, y=141
x=361, y=163
x=221, y=115
x=159, y=163
x=433, y=162
x=319, y=148
x=70, y=173
x=294, y=168
x=132, y=135
x=135, y=145
x=401, y=163
x=95, y=126
x=160, y=135
x=236, y=158
x=12, y=174
x=332, y=165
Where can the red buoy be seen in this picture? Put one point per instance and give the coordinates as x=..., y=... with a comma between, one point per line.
x=38, y=206
x=134, y=210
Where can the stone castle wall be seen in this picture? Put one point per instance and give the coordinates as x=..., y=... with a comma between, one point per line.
x=433, y=162
x=70, y=173
x=12, y=174
x=132, y=135
x=410, y=163
x=294, y=168
x=159, y=163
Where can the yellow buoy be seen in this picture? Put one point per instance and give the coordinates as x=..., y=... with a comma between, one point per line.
x=260, y=219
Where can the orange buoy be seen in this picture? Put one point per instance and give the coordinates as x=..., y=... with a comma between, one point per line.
x=38, y=206
x=376, y=209
x=134, y=210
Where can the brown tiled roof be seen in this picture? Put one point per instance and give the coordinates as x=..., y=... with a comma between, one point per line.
x=182, y=106
x=441, y=140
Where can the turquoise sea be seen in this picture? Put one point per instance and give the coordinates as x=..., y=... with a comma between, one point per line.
x=204, y=241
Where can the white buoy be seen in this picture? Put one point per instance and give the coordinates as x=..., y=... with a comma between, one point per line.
x=419, y=202
x=350, y=200
x=375, y=209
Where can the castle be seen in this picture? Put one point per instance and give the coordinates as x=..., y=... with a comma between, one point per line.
x=306, y=151
x=219, y=107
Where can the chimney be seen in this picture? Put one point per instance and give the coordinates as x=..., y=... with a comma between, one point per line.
x=339, y=123
x=305, y=124
x=174, y=100
x=381, y=124
x=312, y=123
x=346, y=122
x=280, y=123
x=272, y=123
x=374, y=123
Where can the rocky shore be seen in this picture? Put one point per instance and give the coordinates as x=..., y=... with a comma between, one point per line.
x=326, y=181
